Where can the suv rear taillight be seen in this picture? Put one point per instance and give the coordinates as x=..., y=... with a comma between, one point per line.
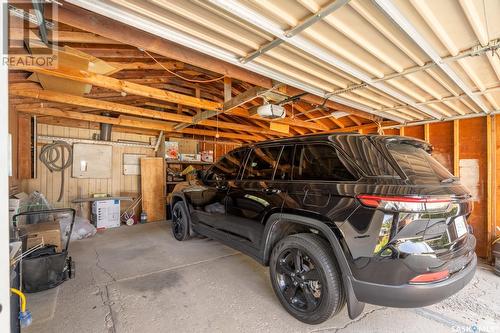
x=405, y=204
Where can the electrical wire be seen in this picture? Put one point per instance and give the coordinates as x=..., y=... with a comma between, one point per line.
x=180, y=76
x=53, y=156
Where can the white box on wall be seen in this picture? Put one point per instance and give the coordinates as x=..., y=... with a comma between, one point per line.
x=92, y=160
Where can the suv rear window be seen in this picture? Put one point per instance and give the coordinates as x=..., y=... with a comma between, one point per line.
x=418, y=165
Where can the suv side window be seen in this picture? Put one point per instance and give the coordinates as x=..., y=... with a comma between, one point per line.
x=284, y=169
x=227, y=167
x=319, y=162
x=261, y=163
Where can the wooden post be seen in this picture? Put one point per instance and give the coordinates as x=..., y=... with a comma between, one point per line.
x=402, y=131
x=456, y=148
x=197, y=94
x=427, y=133
x=24, y=144
x=490, y=202
x=227, y=89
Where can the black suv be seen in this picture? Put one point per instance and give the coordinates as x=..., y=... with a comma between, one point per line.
x=338, y=218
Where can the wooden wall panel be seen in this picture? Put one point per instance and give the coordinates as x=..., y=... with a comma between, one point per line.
x=441, y=138
x=48, y=183
x=415, y=132
x=391, y=131
x=473, y=147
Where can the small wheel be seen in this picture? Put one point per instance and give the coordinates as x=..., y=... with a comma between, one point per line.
x=306, y=278
x=180, y=224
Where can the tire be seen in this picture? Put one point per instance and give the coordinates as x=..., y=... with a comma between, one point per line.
x=315, y=293
x=180, y=222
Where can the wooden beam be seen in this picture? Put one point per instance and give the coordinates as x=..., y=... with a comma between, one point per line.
x=243, y=98
x=240, y=112
x=66, y=122
x=93, y=118
x=191, y=131
x=229, y=105
x=126, y=66
x=98, y=24
x=167, y=96
x=136, y=123
x=123, y=86
x=456, y=148
x=62, y=37
x=128, y=109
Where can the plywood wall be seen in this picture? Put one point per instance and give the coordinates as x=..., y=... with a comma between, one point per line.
x=49, y=183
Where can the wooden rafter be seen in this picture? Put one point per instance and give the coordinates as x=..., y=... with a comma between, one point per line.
x=108, y=28
x=131, y=122
x=128, y=109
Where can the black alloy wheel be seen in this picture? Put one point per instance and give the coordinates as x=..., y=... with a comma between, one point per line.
x=180, y=226
x=306, y=278
x=298, y=279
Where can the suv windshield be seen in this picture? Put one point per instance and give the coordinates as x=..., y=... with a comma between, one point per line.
x=418, y=165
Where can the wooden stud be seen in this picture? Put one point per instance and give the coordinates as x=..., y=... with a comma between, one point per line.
x=402, y=131
x=427, y=137
x=456, y=148
x=24, y=157
x=490, y=197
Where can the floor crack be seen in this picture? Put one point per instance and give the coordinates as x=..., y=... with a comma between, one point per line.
x=98, y=265
x=109, y=320
x=337, y=329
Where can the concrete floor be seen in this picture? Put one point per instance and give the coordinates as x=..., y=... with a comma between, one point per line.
x=139, y=279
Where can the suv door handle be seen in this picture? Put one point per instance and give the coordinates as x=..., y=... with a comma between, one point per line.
x=270, y=190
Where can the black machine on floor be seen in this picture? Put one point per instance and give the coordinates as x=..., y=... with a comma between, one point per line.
x=46, y=268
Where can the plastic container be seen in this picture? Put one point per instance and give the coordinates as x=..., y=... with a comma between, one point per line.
x=144, y=217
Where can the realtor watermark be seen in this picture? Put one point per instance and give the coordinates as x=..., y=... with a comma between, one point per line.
x=30, y=34
x=474, y=328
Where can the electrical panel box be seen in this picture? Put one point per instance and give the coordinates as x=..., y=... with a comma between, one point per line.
x=92, y=160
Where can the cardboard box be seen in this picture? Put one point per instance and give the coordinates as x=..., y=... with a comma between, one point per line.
x=190, y=157
x=171, y=150
x=48, y=232
x=207, y=156
x=106, y=214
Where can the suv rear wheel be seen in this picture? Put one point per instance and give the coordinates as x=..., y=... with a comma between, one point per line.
x=306, y=278
x=180, y=224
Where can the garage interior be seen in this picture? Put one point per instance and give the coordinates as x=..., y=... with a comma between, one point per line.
x=144, y=93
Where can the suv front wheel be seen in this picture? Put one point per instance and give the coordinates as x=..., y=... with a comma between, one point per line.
x=306, y=278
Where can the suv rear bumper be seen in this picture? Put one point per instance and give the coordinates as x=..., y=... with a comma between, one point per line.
x=414, y=295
